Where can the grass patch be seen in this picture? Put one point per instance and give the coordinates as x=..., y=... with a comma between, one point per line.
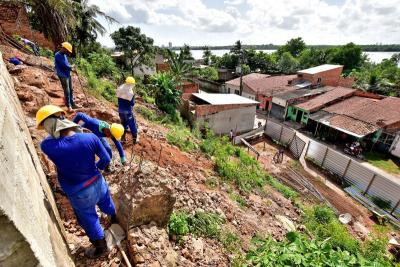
x=204, y=224
x=230, y=240
x=237, y=166
x=298, y=250
x=183, y=138
x=383, y=162
x=238, y=199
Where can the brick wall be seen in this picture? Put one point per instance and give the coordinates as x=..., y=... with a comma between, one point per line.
x=346, y=82
x=14, y=20
x=202, y=110
x=329, y=77
x=190, y=88
x=162, y=67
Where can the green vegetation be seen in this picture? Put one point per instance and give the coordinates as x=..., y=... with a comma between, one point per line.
x=137, y=47
x=97, y=84
x=235, y=165
x=167, y=96
x=204, y=224
x=182, y=138
x=383, y=162
x=297, y=250
x=209, y=73
x=381, y=203
x=230, y=240
x=238, y=199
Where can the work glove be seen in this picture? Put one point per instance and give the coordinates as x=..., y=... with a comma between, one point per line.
x=123, y=161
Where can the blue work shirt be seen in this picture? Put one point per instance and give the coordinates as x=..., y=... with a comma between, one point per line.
x=62, y=65
x=125, y=106
x=93, y=124
x=75, y=158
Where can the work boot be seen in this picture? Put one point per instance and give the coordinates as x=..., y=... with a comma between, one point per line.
x=108, y=169
x=69, y=109
x=98, y=248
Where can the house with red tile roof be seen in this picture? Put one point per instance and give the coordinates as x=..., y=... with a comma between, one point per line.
x=261, y=87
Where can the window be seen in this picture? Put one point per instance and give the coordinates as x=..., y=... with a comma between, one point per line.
x=319, y=80
x=237, y=92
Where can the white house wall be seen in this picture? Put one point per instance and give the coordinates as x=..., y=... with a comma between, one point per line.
x=239, y=120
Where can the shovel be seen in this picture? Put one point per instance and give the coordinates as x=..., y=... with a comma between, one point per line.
x=114, y=235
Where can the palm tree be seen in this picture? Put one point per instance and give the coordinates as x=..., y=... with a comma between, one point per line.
x=59, y=19
x=51, y=17
x=87, y=26
x=179, y=67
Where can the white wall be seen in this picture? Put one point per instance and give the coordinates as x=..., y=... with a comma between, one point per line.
x=240, y=119
x=232, y=88
x=25, y=196
x=395, y=147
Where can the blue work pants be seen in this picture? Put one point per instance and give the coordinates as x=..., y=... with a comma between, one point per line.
x=128, y=120
x=84, y=204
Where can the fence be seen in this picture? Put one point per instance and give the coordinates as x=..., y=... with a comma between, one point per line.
x=285, y=136
x=364, y=179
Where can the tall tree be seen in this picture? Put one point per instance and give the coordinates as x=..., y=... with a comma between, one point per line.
x=207, y=55
x=312, y=57
x=53, y=18
x=179, y=67
x=186, y=53
x=294, y=46
x=287, y=63
x=87, y=25
x=349, y=55
x=137, y=47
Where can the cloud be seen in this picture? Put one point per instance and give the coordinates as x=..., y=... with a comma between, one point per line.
x=233, y=2
x=260, y=21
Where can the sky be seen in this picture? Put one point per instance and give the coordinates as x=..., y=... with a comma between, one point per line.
x=222, y=22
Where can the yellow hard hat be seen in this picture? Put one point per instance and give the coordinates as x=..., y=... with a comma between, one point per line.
x=130, y=80
x=45, y=112
x=67, y=46
x=117, y=130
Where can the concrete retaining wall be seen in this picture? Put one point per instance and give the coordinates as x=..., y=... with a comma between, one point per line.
x=25, y=196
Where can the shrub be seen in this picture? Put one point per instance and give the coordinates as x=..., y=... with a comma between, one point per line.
x=297, y=250
x=147, y=113
x=178, y=224
x=182, y=138
x=103, y=65
x=322, y=222
x=375, y=248
x=205, y=224
x=167, y=96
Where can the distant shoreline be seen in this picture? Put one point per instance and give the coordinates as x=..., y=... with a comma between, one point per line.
x=365, y=48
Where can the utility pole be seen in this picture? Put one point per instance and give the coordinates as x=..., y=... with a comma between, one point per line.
x=241, y=69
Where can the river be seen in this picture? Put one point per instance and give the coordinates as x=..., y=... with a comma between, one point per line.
x=375, y=57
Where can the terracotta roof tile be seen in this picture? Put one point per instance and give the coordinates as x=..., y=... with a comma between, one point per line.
x=327, y=98
x=351, y=125
x=264, y=84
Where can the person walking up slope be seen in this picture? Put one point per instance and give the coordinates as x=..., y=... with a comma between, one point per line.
x=74, y=154
x=103, y=130
x=63, y=69
x=126, y=101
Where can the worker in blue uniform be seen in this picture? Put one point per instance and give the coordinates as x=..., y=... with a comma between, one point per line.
x=74, y=154
x=103, y=130
x=63, y=69
x=126, y=101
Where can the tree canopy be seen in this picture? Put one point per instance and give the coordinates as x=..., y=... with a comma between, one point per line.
x=137, y=47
